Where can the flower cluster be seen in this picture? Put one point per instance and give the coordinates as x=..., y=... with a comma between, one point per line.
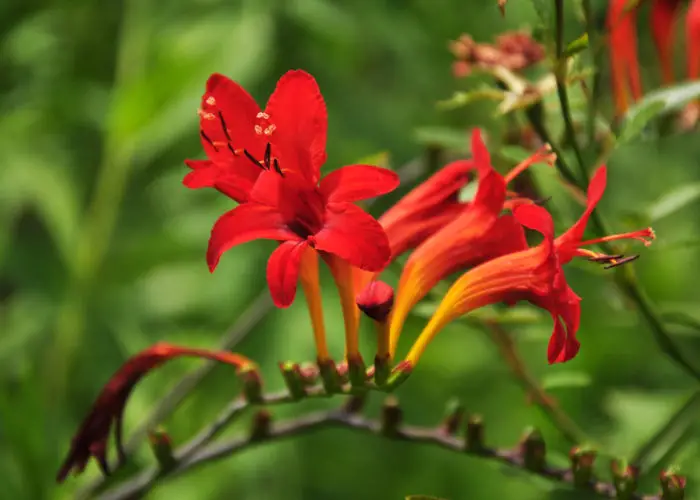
x=269, y=162
x=622, y=30
x=514, y=51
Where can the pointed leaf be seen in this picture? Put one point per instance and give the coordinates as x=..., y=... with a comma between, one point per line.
x=673, y=201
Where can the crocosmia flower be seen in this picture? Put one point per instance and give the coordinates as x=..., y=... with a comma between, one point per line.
x=622, y=30
x=108, y=410
x=532, y=274
x=478, y=233
x=289, y=202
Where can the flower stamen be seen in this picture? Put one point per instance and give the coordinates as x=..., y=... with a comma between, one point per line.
x=542, y=155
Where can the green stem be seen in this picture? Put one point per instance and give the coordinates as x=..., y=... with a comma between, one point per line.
x=560, y=75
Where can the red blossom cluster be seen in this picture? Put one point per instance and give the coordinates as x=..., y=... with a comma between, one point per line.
x=514, y=51
x=269, y=161
x=622, y=37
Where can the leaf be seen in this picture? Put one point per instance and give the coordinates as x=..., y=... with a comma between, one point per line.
x=461, y=99
x=442, y=136
x=559, y=380
x=673, y=201
x=655, y=104
x=380, y=159
x=577, y=46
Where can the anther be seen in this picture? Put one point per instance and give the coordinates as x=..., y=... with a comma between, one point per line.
x=206, y=138
x=605, y=258
x=542, y=201
x=211, y=101
x=223, y=126
x=620, y=262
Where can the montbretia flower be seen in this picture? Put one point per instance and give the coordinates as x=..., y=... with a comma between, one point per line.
x=532, y=274
x=108, y=410
x=477, y=234
x=622, y=30
x=236, y=134
x=291, y=204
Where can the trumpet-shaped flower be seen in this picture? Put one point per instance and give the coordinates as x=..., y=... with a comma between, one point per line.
x=622, y=30
x=532, y=274
x=288, y=202
x=477, y=234
x=108, y=410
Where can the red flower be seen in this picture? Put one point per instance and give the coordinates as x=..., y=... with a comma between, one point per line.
x=108, y=410
x=476, y=234
x=235, y=133
x=289, y=205
x=624, y=63
x=663, y=17
x=534, y=275
x=692, y=30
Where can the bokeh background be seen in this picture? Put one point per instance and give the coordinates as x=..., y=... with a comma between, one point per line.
x=102, y=248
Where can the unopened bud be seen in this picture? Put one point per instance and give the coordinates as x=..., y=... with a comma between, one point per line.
x=293, y=379
x=162, y=448
x=624, y=478
x=582, y=460
x=672, y=484
x=533, y=450
x=252, y=383
x=376, y=300
x=329, y=376
x=474, y=435
x=309, y=374
x=392, y=415
x=355, y=403
x=454, y=414
x=261, y=424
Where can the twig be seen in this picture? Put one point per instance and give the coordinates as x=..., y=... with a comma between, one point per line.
x=238, y=331
x=312, y=422
x=559, y=418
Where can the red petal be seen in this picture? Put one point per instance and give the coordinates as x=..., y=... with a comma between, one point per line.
x=238, y=110
x=298, y=111
x=622, y=28
x=563, y=344
x=283, y=271
x=480, y=154
x=535, y=218
x=198, y=164
x=692, y=29
x=567, y=242
x=358, y=182
x=208, y=174
x=244, y=223
x=663, y=17
x=354, y=236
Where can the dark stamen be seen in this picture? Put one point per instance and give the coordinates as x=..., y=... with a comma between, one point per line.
x=230, y=148
x=252, y=158
x=223, y=126
x=622, y=261
x=541, y=201
x=277, y=167
x=268, y=152
x=605, y=258
x=206, y=138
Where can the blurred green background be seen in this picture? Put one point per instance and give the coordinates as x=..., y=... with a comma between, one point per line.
x=102, y=248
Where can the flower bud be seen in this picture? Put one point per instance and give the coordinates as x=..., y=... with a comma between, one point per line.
x=672, y=484
x=582, y=460
x=533, y=450
x=252, y=383
x=293, y=379
x=376, y=300
x=474, y=435
x=162, y=449
x=391, y=418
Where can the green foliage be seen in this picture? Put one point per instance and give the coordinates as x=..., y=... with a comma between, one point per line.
x=102, y=248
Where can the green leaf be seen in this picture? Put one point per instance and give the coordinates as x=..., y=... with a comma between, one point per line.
x=655, y=104
x=461, y=99
x=577, y=46
x=559, y=380
x=380, y=159
x=442, y=136
x=673, y=201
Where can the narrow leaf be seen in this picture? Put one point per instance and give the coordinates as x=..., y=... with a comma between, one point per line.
x=673, y=201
